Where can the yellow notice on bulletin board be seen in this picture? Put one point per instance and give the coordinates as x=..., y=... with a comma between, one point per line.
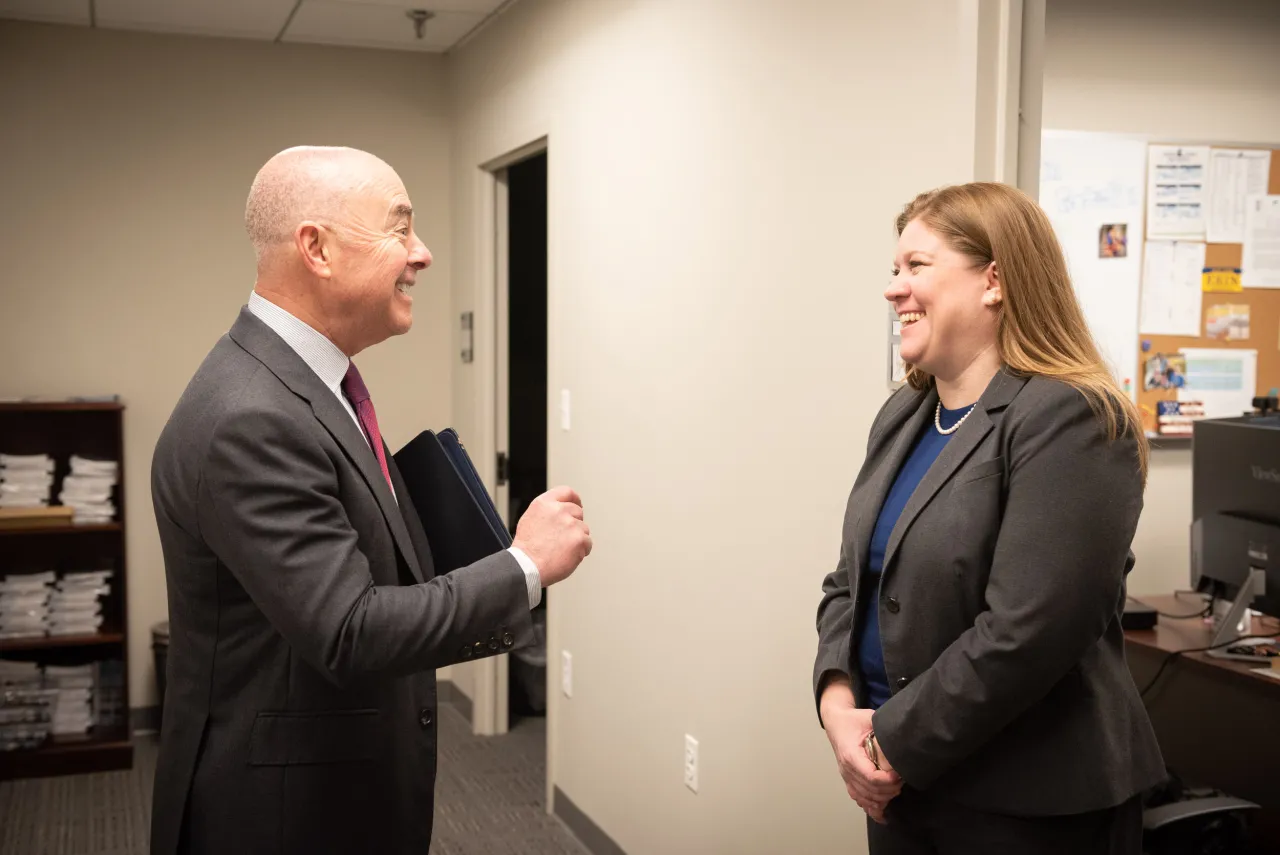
x=1221, y=280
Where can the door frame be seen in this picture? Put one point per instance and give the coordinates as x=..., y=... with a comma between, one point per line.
x=490, y=713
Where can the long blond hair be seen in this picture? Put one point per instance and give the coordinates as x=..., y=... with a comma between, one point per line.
x=1041, y=328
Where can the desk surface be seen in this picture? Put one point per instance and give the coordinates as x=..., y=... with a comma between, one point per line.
x=1215, y=719
x=1172, y=635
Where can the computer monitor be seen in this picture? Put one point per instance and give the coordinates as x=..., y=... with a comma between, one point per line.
x=1235, y=510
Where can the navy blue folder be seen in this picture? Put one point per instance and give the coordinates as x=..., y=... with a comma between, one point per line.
x=456, y=510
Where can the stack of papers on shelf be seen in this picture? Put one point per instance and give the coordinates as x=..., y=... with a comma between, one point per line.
x=26, y=481
x=26, y=707
x=73, y=704
x=19, y=675
x=88, y=489
x=65, y=700
x=75, y=607
x=24, y=605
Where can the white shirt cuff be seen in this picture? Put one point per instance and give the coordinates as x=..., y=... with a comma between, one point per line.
x=532, y=580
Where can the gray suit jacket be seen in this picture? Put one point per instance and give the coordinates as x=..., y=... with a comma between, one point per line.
x=305, y=620
x=1000, y=604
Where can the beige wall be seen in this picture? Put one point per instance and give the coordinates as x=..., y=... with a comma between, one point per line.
x=1172, y=68
x=124, y=161
x=1177, y=69
x=721, y=191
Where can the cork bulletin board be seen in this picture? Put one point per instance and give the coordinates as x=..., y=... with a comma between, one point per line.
x=1263, y=320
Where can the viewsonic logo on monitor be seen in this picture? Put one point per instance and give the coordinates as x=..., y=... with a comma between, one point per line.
x=1263, y=474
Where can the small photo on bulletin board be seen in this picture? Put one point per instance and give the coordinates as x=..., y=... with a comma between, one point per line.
x=1113, y=240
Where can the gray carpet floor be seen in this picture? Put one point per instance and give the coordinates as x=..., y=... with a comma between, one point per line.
x=489, y=801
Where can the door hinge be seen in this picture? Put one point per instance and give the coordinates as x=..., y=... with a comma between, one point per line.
x=504, y=468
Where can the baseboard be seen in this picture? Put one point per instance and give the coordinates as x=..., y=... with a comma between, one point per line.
x=144, y=719
x=588, y=833
x=448, y=693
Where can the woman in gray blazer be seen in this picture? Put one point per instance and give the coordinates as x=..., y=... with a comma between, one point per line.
x=970, y=671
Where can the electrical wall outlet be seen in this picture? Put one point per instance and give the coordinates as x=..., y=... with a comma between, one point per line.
x=566, y=673
x=691, y=762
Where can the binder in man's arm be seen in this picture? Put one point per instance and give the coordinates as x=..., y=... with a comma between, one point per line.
x=456, y=511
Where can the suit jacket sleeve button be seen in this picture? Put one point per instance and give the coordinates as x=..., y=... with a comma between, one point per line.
x=424, y=718
x=479, y=648
x=466, y=651
x=508, y=640
x=902, y=682
x=892, y=605
x=493, y=643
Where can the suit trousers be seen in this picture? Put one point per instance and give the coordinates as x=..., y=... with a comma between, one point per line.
x=919, y=824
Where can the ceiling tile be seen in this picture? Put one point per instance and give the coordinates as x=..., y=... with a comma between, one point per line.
x=254, y=19
x=377, y=25
x=57, y=11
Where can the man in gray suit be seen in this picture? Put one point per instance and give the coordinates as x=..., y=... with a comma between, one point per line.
x=306, y=615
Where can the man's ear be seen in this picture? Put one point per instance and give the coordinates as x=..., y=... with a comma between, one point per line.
x=991, y=294
x=315, y=246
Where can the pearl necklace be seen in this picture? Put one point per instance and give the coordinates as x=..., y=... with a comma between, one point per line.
x=937, y=420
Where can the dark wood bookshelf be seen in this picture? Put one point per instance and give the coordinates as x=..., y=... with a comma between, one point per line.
x=92, y=429
x=70, y=528
x=49, y=642
x=60, y=407
x=98, y=751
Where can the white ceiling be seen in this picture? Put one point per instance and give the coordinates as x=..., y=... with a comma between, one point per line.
x=356, y=23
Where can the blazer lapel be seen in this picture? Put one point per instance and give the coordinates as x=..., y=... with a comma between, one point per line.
x=260, y=340
x=999, y=392
x=901, y=429
x=339, y=423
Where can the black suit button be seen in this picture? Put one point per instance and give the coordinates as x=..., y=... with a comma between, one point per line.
x=466, y=651
x=493, y=643
x=902, y=682
x=424, y=718
x=508, y=640
x=892, y=605
x=479, y=648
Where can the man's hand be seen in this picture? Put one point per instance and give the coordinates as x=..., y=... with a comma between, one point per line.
x=847, y=728
x=554, y=535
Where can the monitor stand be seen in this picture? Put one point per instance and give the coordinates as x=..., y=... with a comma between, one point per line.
x=1227, y=629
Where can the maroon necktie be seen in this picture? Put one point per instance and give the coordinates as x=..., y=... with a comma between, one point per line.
x=358, y=394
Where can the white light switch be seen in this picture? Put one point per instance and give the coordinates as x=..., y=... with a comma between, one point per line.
x=564, y=409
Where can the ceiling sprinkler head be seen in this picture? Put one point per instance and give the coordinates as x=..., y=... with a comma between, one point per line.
x=419, y=18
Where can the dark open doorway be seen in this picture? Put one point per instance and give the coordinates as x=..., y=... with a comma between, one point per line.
x=526, y=464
